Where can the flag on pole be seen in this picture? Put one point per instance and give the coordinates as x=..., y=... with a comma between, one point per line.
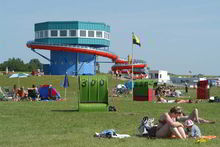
x=136, y=39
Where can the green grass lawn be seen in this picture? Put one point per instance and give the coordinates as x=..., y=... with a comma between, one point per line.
x=44, y=124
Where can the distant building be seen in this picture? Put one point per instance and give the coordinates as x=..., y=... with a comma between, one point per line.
x=192, y=81
x=161, y=75
x=182, y=80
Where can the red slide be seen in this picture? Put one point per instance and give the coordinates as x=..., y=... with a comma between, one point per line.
x=120, y=63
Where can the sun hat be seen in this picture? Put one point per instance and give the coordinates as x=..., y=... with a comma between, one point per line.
x=188, y=123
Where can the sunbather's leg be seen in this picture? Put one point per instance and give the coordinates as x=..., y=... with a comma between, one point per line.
x=182, y=132
x=201, y=120
x=166, y=131
x=182, y=101
x=194, y=115
x=177, y=133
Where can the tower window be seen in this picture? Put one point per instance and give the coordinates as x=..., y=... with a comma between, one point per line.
x=91, y=34
x=63, y=33
x=41, y=34
x=45, y=34
x=99, y=34
x=73, y=33
x=82, y=33
x=53, y=33
x=106, y=35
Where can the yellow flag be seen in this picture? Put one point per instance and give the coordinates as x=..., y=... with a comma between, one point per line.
x=136, y=39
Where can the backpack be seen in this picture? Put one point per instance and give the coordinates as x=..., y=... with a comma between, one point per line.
x=112, y=108
x=147, y=127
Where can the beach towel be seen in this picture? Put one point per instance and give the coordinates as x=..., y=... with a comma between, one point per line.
x=110, y=133
x=204, y=139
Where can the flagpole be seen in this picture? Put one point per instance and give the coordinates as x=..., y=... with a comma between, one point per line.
x=132, y=74
x=135, y=40
x=65, y=93
x=65, y=83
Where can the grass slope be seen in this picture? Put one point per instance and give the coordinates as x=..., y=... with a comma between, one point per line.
x=57, y=124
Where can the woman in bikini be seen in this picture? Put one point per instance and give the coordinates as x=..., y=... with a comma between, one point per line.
x=168, y=125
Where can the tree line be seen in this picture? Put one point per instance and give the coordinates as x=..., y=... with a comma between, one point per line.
x=17, y=65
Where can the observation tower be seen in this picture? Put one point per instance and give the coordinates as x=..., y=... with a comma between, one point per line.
x=71, y=34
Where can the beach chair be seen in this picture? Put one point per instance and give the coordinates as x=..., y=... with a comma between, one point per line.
x=3, y=95
x=93, y=93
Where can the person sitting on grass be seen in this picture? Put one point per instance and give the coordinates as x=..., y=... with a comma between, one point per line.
x=50, y=93
x=192, y=130
x=194, y=116
x=23, y=94
x=33, y=92
x=168, y=125
x=15, y=93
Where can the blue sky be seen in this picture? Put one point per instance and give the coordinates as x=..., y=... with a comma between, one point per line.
x=176, y=36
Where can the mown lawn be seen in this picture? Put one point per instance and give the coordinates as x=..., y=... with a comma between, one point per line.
x=54, y=124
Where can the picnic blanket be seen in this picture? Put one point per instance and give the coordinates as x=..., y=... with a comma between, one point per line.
x=209, y=137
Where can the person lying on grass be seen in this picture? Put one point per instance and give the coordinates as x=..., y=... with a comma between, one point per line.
x=168, y=125
x=178, y=101
x=194, y=116
x=192, y=130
